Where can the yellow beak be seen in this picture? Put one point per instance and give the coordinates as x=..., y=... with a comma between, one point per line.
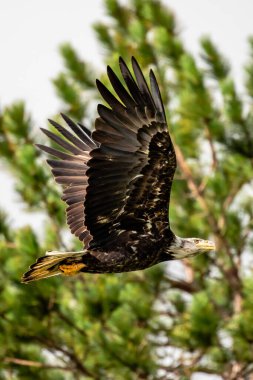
x=205, y=245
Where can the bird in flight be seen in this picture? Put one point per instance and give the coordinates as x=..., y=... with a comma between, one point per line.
x=116, y=184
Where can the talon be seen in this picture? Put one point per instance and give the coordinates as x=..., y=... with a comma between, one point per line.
x=71, y=269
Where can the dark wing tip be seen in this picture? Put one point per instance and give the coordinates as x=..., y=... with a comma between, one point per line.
x=156, y=94
x=43, y=130
x=101, y=108
x=109, y=70
x=122, y=62
x=53, y=123
x=151, y=74
x=101, y=87
x=66, y=118
x=135, y=64
x=39, y=146
x=133, y=60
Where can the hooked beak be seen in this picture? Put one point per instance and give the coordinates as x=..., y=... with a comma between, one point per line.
x=205, y=245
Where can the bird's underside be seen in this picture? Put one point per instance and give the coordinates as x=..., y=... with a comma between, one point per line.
x=116, y=183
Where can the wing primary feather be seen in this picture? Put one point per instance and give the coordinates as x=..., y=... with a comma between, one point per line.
x=79, y=131
x=86, y=130
x=120, y=89
x=130, y=82
x=67, y=171
x=57, y=153
x=143, y=85
x=69, y=136
x=66, y=145
x=73, y=180
x=156, y=94
x=66, y=164
x=108, y=97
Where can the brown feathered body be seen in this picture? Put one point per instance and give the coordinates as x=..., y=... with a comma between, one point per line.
x=116, y=182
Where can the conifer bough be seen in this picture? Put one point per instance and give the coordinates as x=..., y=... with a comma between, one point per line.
x=117, y=184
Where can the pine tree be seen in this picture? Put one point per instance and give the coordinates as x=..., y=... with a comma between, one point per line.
x=152, y=324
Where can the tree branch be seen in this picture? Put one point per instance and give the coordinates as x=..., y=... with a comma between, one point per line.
x=199, y=197
x=53, y=346
x=231, y=274
x=182, y=285
x=211, y=144
x=32, y=363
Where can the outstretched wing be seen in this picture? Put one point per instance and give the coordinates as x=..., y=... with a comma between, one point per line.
x=70, y=169
x=131, y=171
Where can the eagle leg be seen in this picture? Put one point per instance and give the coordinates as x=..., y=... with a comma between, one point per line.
x=71, y=269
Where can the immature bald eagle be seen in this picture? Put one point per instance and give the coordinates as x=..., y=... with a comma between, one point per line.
x=117, y=184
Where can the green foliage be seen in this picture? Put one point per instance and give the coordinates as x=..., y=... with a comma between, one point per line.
x=249, y=69
x=78, y=70
x=128, y=326
x=217, y=65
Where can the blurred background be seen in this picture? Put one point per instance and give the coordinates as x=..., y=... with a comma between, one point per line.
x=190, y=320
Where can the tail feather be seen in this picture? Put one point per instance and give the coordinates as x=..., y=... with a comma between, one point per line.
x=49, y=265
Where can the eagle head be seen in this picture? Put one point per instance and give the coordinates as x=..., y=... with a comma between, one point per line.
x=181, y=248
